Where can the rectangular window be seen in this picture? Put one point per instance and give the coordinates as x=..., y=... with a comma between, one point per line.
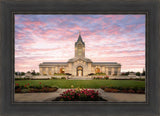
x=115, y=71
x=109, y=71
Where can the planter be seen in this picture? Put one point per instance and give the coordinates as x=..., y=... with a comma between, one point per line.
x=80, y=95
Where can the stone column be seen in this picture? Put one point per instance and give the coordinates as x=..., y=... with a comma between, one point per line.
x=47, y=71
x=106, y=71
x=119, y=71
x=40, y=71
x=103, y=69
x=112, y=71
x=43, y=71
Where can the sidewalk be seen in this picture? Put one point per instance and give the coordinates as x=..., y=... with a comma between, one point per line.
x=47, y=97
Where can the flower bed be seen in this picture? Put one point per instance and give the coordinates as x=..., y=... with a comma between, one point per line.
x=27, y=88
x=80, y=95
x=124, y=90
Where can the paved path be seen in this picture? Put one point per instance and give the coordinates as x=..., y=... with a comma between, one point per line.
x=123, y=97
x=47, y=97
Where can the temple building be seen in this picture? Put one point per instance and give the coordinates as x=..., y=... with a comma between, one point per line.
x=80, y=65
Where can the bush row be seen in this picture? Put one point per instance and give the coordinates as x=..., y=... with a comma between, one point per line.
x=140, y=79
x=39, y=78
x=124, y=90
x=36, y=88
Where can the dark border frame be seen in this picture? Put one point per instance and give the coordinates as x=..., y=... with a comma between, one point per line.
x=8, y=7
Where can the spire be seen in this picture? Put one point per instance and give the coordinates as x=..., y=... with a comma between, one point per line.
x=79, y=38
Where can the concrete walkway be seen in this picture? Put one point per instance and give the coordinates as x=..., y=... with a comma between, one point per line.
x=47, y=97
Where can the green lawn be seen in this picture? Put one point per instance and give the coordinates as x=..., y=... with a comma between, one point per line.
x=85, y=83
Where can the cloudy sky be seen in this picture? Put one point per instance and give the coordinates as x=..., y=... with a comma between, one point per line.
x=51, y=38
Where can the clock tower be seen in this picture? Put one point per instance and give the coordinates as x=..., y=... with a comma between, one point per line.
x=79, y=47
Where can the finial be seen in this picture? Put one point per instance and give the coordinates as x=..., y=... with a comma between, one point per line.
x=79, y=32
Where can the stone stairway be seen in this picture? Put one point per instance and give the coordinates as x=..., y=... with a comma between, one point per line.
x=80, y=78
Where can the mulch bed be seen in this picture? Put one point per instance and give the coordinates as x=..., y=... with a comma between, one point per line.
x=34, y=90
x=123, y=90
x=61, y=99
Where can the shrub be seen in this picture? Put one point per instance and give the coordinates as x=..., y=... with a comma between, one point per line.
x=63, y=77
x=58, y=74
x=100, y=73
x=124, y=90
x=103, y=87
x=37, y=87
x=47, y=86
x=91, y=74
x=114, y=74
x=140, y=79
x=25, y=78
x=138, y=73
x=111, y=90
x=68, y=74
x=98, y=78
x=17, y=86
x=40, y=79
x=125, y=73
x=54, y=78
x=107, y=77
x=101, y=78
x=25, y=90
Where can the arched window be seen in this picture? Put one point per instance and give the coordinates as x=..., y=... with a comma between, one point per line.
x=97, y=70
x=62, y=70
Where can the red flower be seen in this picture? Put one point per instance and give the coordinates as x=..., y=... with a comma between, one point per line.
x=40, y=83
x=17, y=84
x=28, y=83
x=92, y=96
x=25, y=85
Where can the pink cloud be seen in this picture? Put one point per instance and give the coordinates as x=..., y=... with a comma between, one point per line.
x=34, y=23
x=115, y=17
x=38, y=41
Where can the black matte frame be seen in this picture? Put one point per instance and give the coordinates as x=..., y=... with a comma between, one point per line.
x=148, y=7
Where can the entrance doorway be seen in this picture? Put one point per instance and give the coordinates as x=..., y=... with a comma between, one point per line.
x=79, y=71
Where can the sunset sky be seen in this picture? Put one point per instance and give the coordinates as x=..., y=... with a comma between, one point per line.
x=51, y=38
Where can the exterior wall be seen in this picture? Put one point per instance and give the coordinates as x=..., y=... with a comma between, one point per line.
x=87, y=69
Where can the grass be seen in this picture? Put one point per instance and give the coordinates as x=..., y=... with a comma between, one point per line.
x=85, y=83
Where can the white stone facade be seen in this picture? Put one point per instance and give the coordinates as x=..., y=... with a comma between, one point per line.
x=80, y=65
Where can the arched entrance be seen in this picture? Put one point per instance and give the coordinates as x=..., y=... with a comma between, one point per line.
x=79, y=71
x=62, y=70
x=97, y=70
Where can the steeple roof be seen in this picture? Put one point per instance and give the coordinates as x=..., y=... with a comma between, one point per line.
x=80, y=40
